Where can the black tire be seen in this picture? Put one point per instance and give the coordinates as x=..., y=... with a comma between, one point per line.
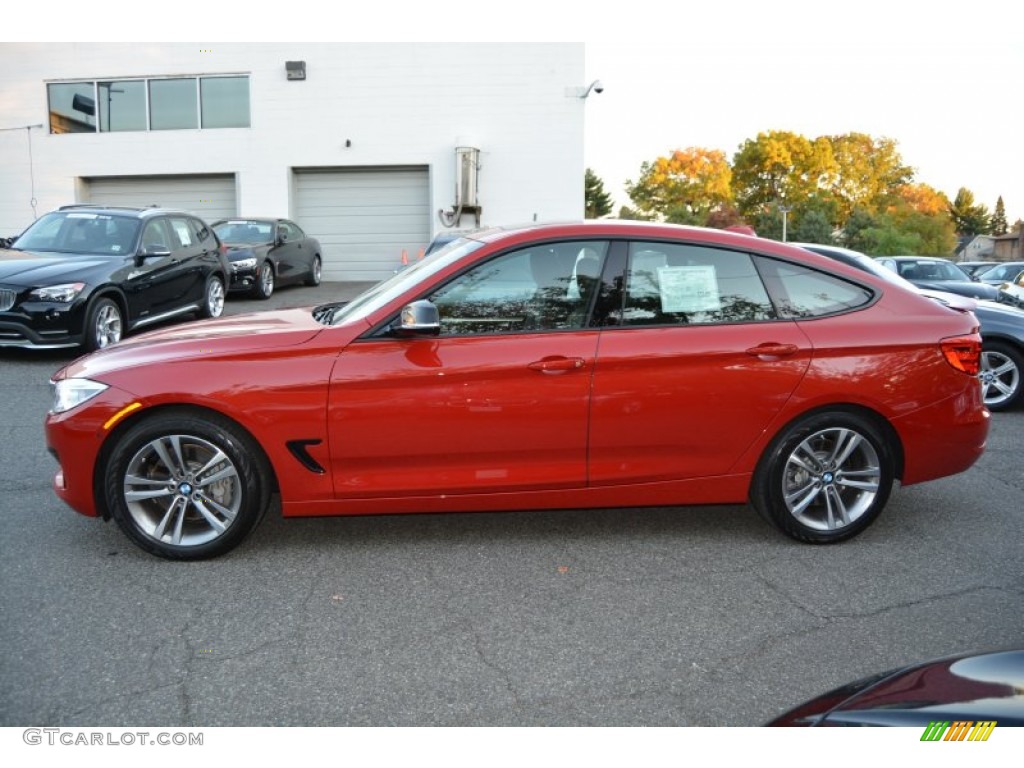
x=104, y=325
x=213, y=298
x=315, y=270
x=264, y=287
x=1002, y=375
x=825, y=478
x=186, y=486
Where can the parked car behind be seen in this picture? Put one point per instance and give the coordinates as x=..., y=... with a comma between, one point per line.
x=1002, y=330
x=955, y=698
x=972, y=268
x=265, y=253
x=938, y=275
x=1006, y=272
x=596, y=364
x=87, y=275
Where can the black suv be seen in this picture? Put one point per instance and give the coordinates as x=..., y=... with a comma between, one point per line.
x=86, y=275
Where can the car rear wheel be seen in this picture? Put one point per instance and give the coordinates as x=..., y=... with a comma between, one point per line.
x=186, y=486
x=264, y=287
x=213, y=303
x=1002, y=368
x=313, y=279
x=104, y=325
x=825, y=478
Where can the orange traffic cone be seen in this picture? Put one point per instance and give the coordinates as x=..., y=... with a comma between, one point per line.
x=405, y=257
x=420, y=256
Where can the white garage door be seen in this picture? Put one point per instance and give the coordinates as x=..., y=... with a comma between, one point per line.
x=209, y=197
x=364, y=218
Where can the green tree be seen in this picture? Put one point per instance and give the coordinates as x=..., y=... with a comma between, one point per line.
x=853, y=234
x=999, y=218
x=685, y=187
x=813, y=227
x=969, y=218
x=597, y=203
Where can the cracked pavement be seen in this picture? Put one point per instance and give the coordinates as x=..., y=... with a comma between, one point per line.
x=669, y=617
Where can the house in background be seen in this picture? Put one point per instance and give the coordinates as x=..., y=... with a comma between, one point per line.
x=1009, y=247
x=977, y=248
x=373, y=148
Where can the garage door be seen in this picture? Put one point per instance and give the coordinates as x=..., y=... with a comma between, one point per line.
x=209, y=197
x=364, y=218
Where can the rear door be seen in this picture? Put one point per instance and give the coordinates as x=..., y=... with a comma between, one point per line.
x=691, y=367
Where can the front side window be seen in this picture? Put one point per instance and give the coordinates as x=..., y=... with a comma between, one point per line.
x=542, y=288
x=673, y=284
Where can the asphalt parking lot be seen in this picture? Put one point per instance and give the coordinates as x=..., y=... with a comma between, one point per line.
x=627, y=617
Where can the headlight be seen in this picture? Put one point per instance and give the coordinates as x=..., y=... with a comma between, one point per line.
x=62, y=293
x=68, y=393
x=243, y=264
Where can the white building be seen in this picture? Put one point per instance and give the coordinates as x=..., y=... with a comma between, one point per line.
x=369, y=147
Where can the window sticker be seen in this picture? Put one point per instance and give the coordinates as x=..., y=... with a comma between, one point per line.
x=689, y=289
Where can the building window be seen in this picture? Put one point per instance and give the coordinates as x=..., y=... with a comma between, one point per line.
x=155, y=104
x=225, y=102
x=122, y=105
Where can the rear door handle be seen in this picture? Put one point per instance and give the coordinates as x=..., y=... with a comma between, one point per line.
x=772, y=350
x=557, y=364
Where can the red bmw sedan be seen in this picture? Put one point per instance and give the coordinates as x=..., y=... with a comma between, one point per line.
x=596, y=364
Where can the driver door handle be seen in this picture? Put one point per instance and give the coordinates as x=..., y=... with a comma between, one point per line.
x=557, y=364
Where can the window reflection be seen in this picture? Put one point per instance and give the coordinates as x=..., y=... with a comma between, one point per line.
x=122, y=105
x=72, y=107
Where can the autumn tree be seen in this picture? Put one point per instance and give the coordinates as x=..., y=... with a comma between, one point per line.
x=866, y=172
x=969, y=218
x=999, y=218
x=685, y=187
x=597, y=203
x=779, y=167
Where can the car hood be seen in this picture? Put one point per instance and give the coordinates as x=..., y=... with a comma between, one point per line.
x=209, y=340
x=32, y=270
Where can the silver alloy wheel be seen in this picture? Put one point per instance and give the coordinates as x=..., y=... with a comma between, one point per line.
x=107, y=325
x=182, y=490
x=214, y=297
x=266, y=280
x=317, y=270
x=831, y=478
x=1000, y=377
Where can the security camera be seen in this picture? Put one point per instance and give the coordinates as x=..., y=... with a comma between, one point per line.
x=598, y=87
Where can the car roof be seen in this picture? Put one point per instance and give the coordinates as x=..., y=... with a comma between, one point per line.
x=123, y=210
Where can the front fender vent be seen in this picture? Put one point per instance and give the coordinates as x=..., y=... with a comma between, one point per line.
x=299, y=450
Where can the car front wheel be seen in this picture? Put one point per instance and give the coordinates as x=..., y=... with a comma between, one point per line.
x=185, y=486
x=825, y=478
x=213, y=302
x=1002, y=368
x=104, y=325
x=314, y=276
x=264, y=287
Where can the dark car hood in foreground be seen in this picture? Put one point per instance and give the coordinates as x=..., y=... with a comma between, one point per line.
x=982, y=687
x=33, y=270
x=235, y=335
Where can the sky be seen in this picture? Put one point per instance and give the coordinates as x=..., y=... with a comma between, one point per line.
x=944, y=79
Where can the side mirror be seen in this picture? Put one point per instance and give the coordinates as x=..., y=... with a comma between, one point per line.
x=420, y=318
x=154, y=252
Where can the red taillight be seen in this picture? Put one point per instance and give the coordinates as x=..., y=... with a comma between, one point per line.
x=963, y=353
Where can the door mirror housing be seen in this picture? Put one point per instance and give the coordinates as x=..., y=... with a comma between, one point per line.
x=420, y=318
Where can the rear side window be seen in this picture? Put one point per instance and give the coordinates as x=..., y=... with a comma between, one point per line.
x=801, y=292
x=669, y=284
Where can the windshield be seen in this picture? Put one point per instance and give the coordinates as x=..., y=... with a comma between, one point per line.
x=381, y=294
x=931, y=270
x=244, y=231
x=80, y=232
